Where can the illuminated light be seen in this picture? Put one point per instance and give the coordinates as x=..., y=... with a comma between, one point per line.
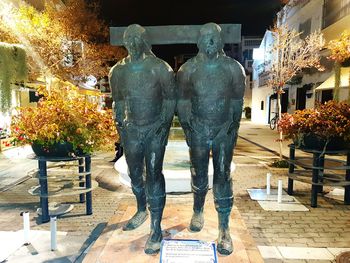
x=258, y=54
x=6, y=13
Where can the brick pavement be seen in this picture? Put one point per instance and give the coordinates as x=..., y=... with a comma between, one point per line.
x=325, y=226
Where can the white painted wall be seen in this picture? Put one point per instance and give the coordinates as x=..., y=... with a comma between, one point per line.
x=262, y=57
x=301, y=13
x=260, y=94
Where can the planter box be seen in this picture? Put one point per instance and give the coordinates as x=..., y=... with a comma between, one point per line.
x=313, y=142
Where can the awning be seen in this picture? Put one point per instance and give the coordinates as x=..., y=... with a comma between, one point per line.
x=329, y=83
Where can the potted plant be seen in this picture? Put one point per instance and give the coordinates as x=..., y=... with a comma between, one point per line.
x=327, y=127
x=64, y=123
x=248, y=112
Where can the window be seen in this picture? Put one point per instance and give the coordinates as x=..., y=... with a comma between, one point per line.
x=248, y=54
x=305, y=28
x=252, y=42
x=250, y=63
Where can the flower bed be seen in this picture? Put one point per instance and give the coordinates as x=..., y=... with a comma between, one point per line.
x=64, y=115
x=324, y=124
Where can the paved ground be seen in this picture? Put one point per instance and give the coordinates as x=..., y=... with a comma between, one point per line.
x=325, y=226
x=14, y=165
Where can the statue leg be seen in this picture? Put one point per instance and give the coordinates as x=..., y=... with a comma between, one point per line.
x=199, y=153
x=134, y=155
x=222, y=189
x=155, y=191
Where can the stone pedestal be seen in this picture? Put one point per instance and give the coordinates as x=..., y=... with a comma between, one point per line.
x=116, y=245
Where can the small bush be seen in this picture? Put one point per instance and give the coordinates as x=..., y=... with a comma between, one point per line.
x=280, y=164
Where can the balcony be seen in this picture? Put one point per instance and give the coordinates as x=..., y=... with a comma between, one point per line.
x=336, y=18
x=334, y=10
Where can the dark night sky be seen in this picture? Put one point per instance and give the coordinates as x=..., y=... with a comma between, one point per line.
x=254, y=15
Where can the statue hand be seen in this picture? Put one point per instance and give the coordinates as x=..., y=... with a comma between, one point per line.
x=231, y=127
x=120, y=124
x=163, y=126
x=188, y=131
x=121, y=133
x=187, y=127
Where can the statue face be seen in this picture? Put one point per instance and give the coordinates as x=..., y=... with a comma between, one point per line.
x=134, y=44
x=210, y=42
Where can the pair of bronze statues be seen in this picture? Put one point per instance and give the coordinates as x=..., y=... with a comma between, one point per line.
x=208, y=97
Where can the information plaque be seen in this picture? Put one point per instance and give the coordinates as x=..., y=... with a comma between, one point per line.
x=189, y=251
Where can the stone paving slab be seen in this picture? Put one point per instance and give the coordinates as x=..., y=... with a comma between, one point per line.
x=302, y=253
x=295, y=206
x=39, y=249
x=14, y=166
x=10, y=241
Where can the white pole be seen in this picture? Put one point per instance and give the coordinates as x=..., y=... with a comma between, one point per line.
x=268, y=183
x=53, y=229
x=279, y=197
x=26, y=228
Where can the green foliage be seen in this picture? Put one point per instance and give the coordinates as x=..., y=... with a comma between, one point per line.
x=13, y=68
x=280, y=164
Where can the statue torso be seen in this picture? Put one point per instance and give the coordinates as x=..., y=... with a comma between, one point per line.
x=212, y=89
x=140, y=88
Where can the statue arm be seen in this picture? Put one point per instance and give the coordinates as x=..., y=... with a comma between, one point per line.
x=184, y=105
x=239, y=83
x=169, y=98
x=118, y=100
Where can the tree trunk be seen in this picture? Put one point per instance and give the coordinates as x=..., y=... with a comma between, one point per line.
x=337, y=75
x=349, y=88
x=279, y=109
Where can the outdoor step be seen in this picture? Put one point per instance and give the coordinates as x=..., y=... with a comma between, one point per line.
x=127, y=246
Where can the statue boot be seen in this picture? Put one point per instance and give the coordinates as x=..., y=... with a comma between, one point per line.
x=224, y=246
x=141, y=214
x=156, y=207
x=197, y=220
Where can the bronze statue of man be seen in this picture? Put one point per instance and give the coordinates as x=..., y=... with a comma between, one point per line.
x=210, y=98
x=143, y=91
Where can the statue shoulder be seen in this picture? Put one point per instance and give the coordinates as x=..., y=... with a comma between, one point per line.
x=188, y=66
x=236, y=67
x=163, y=65
x=117, y=66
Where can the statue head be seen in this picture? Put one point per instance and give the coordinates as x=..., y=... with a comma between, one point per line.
x=135, y=40
x=210, y=42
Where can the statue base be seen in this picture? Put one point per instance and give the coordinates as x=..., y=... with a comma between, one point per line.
x=116, y=245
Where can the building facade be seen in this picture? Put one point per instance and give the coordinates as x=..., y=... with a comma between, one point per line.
x=261, y=92
x=248, y=44
x=331, y=17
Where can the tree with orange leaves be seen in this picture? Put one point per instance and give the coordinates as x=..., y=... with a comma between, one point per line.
x=340, y=52
x=69, y=42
